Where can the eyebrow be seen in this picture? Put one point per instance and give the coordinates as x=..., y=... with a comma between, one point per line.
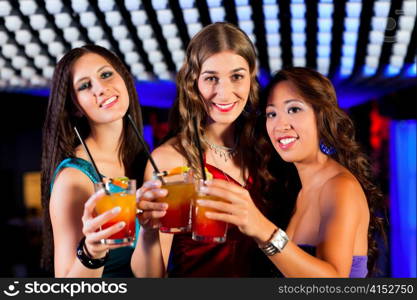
x=232, y=71
x=98, y=71
x=293, y=100
x=286, y=102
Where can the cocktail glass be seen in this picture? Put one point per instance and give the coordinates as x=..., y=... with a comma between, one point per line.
x=181, y=191
x=203, y=228
x=120, y=192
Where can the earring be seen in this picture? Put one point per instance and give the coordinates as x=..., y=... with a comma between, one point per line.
x=328, y=150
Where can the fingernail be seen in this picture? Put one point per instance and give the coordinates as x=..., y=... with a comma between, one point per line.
x=162, y=192
x=164, y=205
x=201, y=202
x=208, y=182
x=203, y=189
x=116, y=209
x=208, y=214
x=122, y=224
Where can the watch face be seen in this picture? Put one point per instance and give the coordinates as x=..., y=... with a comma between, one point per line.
x=280, y=240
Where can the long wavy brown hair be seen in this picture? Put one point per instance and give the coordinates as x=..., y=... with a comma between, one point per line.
x=59, y=140
x=189, y=104
x=335, y=128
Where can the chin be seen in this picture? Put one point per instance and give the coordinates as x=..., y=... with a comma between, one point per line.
x=286, y=157
x=224, y=119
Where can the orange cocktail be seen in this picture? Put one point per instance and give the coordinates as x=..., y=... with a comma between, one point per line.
x=203, y=228
x=181, y=190
x=122, y=195
x=177, y=217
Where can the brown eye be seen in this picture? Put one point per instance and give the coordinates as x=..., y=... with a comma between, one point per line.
x=293, y=110
x=270, y=115
x=236, y=77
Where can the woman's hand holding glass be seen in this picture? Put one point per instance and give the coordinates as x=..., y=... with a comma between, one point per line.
x=239, y=209
x=149, y=211
x=92, y=227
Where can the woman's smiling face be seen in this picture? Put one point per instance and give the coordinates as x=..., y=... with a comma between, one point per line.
x=100, y=91
x=224, y=84
x=291, y=123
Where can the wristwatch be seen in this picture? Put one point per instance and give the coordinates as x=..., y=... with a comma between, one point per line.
x=276, y=243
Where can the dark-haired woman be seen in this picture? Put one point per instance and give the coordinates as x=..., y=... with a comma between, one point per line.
x=92, y=89
x=330, y=233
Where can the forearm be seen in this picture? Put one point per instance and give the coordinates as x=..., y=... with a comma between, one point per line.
x=295, y=262
x=78, y=270
x=147, y=258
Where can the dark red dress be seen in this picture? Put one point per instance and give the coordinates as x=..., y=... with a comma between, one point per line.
x=238, y=256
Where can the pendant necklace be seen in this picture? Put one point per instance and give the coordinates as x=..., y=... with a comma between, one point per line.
x=223, y=152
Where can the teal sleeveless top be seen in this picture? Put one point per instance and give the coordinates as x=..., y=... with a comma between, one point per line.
x=118, y=263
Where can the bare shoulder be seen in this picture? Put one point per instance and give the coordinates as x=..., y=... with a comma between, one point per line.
x=166, y=157
x=71, y=186
x=342, y=191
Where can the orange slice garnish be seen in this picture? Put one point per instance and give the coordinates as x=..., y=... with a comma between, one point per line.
x=120, y=182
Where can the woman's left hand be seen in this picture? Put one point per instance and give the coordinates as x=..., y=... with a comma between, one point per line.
x=238, y=208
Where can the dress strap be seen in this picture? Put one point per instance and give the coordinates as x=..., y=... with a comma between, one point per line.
x=77, y=163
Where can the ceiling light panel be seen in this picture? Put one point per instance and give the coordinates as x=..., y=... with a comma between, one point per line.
x=406, y=21
x=350, y=37
x=5, y=8
x=9, y=50
x=113, y=18
x=216, y=11
x=28, y=7
x=244, y=14
x=32, y=49
x=13, y=22
x=88, y=19
x=298, y=36
x=80, y=6
x=273, y=37
x=54, y=7
x=324, y=36
x=191, y=17
x=62, y=20
x=376, y=35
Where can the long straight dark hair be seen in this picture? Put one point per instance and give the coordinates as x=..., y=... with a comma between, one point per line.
x=59, y=140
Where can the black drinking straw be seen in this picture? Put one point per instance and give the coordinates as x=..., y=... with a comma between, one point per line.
x=200, y=150
x=91, y=159
x=145, y=146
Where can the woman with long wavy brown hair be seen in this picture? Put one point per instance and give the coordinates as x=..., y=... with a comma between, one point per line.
x=217, y=86
x=93, y=90
x=330, y=232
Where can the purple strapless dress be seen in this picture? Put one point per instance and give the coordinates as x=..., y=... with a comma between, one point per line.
x=359, y=267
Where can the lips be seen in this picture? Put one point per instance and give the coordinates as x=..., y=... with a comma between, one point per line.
x=224, y=107
x=109, y=102
x=286, y=142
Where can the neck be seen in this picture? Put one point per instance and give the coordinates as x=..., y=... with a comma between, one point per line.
x=105, y=138
x=221, y=134
x=309, y=168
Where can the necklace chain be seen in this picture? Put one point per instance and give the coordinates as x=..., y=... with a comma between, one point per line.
x=223, y=152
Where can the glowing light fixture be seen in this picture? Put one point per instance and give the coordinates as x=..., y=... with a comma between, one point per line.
x=13, y=23
x=27, y=7
x=53, y=6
